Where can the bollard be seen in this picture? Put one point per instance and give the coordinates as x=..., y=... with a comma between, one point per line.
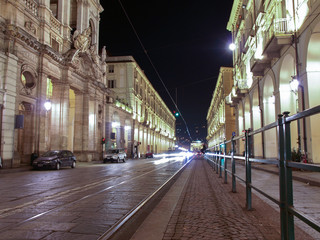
x=225, y=163
x=220, y=158
x=282, y=181
x=288, y=176
x=217, y=169
x=248, y=171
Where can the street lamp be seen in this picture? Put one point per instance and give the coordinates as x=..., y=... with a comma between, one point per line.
x=232, y=46
x=47, y=105
x=294, y=84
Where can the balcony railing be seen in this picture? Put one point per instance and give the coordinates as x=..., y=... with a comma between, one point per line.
x=282, y=26
x=32, y=6
x=55, y=24
x=242, y=84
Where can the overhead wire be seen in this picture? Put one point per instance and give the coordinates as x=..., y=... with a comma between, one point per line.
x=154, y=68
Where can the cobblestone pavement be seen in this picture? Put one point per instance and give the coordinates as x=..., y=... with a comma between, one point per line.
x=208, y=210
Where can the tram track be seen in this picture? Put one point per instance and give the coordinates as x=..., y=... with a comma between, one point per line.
x=127, y=225
x=7, y=212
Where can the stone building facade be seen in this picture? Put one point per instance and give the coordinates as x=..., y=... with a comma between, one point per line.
x=153, y=124
x=277, y=42
x=49, y=53
x=221, y=116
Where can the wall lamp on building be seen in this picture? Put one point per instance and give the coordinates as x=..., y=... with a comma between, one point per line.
x=294, y=84
x=47, y=105
x=115, y=124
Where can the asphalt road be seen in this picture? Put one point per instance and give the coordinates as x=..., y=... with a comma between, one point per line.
x=80, y=203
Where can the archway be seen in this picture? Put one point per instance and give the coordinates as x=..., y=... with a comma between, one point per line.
x=270, y=136
x=289, y=98
x=241, y=128
x=127, y=136
x=256, y=124
x=26, y=135
x=312, y=89
x=115, y=131
x=71, y=116
x=247, y=118
x=247, y=113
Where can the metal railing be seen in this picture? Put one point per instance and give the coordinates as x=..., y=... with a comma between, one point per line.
x=219, y=160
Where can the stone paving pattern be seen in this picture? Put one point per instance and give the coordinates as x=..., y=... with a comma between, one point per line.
x=207, y=209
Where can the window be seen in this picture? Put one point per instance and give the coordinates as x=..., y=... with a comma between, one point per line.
x=55, y=44
x=111, y=83
x=27, y=80
x=111, y=68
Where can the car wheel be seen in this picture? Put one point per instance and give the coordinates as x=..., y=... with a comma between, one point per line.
x=57, y=166
x=124, y=159
x=104, y=160
x=73, y=165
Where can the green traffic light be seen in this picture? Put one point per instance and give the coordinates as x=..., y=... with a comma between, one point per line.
x=176, y=114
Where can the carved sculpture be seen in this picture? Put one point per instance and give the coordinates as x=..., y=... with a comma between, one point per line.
x=82, y=40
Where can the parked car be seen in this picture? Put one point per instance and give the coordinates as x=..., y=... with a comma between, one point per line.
x=149, y=155
x=114, y=155
x=55, y=160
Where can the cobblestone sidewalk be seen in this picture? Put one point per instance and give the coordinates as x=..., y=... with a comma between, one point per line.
x=207, y=209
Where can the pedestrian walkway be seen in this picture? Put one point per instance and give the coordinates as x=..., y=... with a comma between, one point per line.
x=207, y=209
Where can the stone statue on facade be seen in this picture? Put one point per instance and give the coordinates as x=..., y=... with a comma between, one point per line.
x=82, y=41
x=104, y=54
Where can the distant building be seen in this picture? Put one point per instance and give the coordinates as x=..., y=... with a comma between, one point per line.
x=221, y=117
x=153, y=124
x=196, y=146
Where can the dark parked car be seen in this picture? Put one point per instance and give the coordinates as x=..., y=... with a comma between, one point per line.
x=55, y=160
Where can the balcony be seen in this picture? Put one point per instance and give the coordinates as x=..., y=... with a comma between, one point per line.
x=258, y=66
x=32, y=7
x=279, y=34
x=242, y=86
x=229, y=99
x=235, y=98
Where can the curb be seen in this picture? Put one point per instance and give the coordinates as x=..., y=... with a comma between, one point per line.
x=297, y=178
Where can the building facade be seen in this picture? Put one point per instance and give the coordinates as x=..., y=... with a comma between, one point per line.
x=49, y=54
x=277, y=42
x=221, y=116
x=153, y=124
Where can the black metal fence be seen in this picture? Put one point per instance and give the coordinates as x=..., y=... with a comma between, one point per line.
x=219, y=161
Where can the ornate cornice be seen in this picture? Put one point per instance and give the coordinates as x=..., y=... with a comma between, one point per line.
x=237, y=5
x=70, y=59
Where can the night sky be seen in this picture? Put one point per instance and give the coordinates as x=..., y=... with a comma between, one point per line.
x=186, y=40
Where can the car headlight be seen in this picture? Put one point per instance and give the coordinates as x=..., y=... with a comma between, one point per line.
x=114, y=157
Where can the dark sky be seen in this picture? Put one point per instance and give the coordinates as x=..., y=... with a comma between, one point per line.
x=186, y=40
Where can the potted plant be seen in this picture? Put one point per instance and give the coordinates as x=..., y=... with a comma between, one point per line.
x=296, y=155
